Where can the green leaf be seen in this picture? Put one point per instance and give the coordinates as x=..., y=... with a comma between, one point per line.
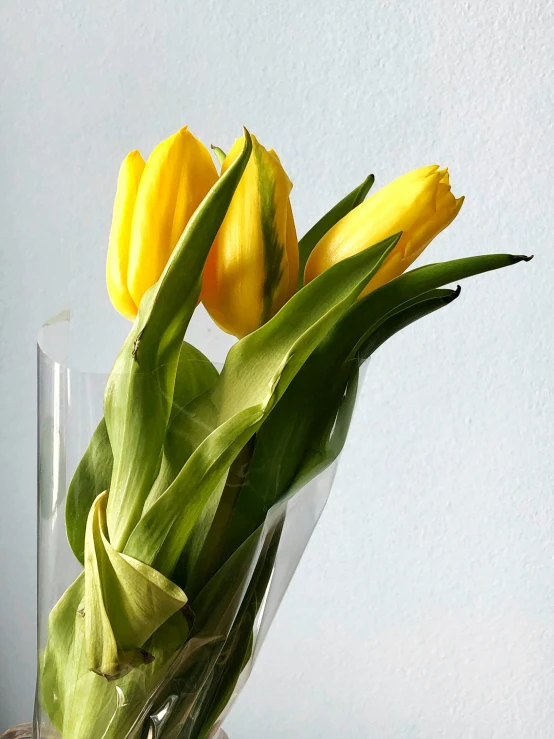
x=215, y=610
x=163, y=531
x=257, y=372
x=285, y=331
x=92, y=477
x=296, y=443
x=330, y=436
x=80, y=703
x=307, y=429
x=193, y=418
x=125, y=601
x=275, y=352
x=237, y=650
x=373, y=308
x=185, y=433
x=195, y=374
x=202, y=554
x=234, y=657
x=408, y=313
x=329, y=431
x=140, y=388
x=218, y=609
x=308, y=242
x=372, y=321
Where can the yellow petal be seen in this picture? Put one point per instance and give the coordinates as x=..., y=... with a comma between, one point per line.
x=428, y=230
x=178, y=175
x=255, y=256
x=420, y=204
x=120, y=235
x=419, y=239
x=396, y=207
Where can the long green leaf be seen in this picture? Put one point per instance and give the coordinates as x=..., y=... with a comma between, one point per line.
x=308, y=242
x=329, y=439
x=408, y=309
x=215, y=610
x=280, y=446
x=407, y=314
x=162, y=532
x=219, y=688
x=307, y=429
x=275, y=352
x=213, y=528
x=378, y=316
x=373, y=308
x=195, y=374
x=201, y=555
x=257, y=372
x=236, y=652
x=139, y=392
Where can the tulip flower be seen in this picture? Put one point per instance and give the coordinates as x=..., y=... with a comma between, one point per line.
x=420, y=204
x=252, y=268
x=153, y=204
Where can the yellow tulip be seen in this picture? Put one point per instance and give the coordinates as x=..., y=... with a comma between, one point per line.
x=153, y=204
x=252, y=268
x=420, y=204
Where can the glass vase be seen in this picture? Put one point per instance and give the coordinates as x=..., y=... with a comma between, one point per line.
x=187, y=692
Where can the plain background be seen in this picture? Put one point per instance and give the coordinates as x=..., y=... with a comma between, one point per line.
x=424, y=606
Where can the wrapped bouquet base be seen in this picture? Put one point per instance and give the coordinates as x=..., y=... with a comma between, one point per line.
x=203, y=654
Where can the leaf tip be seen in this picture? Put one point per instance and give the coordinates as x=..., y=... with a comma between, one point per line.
x=247, y=149
x=363, y=190
x=395, y=238
x=453, y=295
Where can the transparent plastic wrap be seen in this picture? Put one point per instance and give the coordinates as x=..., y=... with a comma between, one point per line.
x=197, y=661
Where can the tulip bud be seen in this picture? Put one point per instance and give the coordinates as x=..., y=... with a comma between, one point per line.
x=153, y=204
x=252, y=268
x=420, y=204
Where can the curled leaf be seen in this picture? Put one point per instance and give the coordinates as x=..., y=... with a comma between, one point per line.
x=126, y=601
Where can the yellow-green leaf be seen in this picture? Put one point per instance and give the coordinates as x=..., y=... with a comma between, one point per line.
x=126, y=601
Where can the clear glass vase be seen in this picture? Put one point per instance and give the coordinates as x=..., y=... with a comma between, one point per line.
x=188, y=690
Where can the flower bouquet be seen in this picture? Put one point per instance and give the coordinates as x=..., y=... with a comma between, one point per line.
x=200, y=485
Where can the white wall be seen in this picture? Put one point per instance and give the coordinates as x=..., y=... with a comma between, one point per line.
x=424, y=607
